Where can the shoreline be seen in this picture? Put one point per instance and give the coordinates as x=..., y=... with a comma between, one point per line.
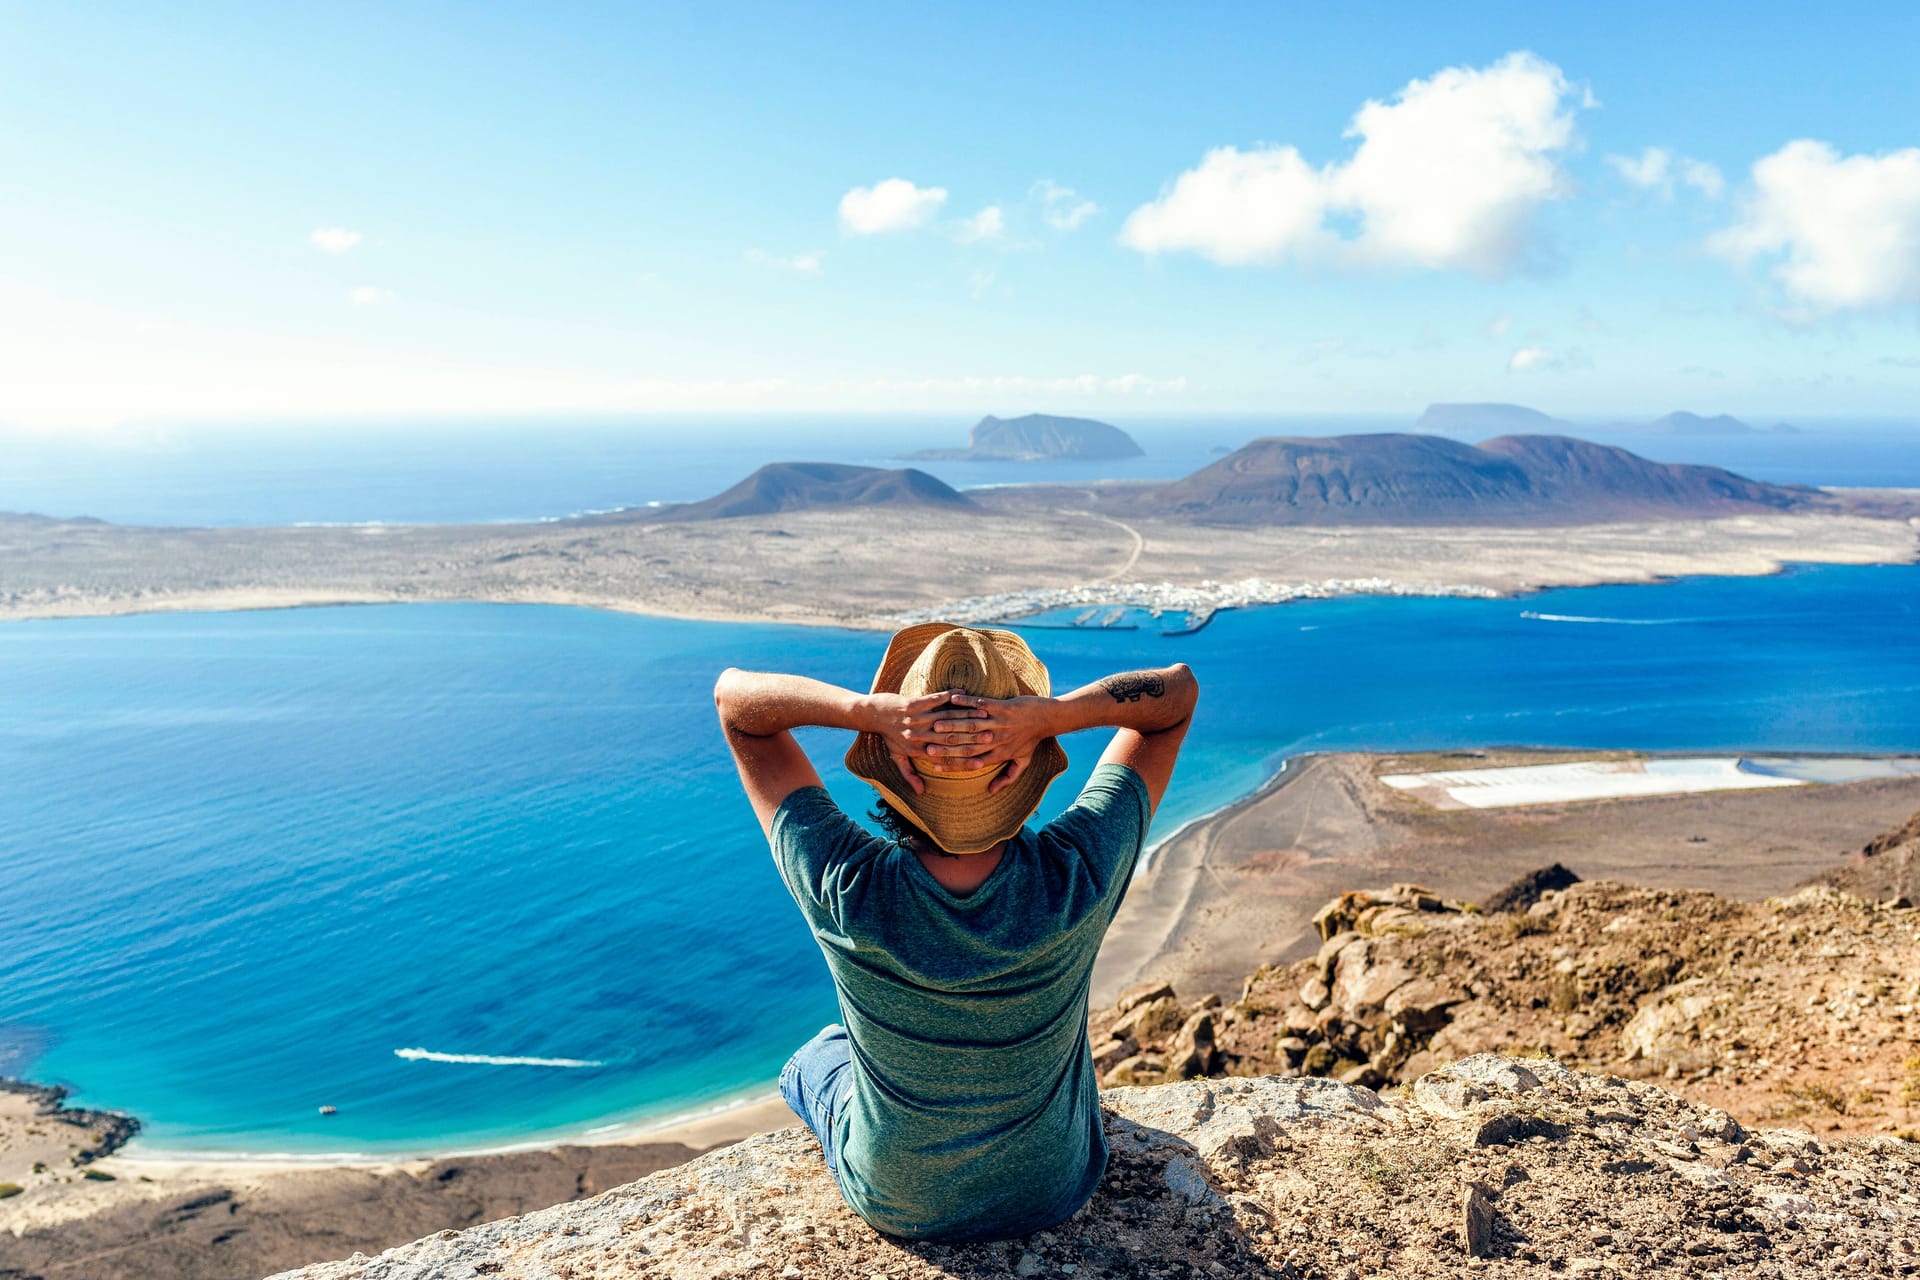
x=837, y=569
x=1136, y=941
x=1236, y=888
x=698, y=1127
x=1006, y=610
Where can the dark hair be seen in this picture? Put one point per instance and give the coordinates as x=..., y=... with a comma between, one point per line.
x=893, y=824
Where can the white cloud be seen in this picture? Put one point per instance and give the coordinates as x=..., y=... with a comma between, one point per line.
x=893, y=205
x=1702, y=177
x=1061, y=207
x=334, y=239
x=1649, y=170
x=800, y=264
x=984, y=225
x=1542, y=360
x=1656, y=169
x=366, y=295
x=1498, y=326
x=1843, y=231
x=1237, y=207
x=1447, y=175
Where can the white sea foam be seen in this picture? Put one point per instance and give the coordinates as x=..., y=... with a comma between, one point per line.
x=491, y=1060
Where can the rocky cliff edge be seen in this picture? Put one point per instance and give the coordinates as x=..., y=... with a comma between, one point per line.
x=1489, y=1165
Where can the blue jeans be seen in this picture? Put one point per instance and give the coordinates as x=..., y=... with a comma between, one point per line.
x=815, y=1082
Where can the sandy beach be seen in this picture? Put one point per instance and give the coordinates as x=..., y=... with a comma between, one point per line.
x=869, y=568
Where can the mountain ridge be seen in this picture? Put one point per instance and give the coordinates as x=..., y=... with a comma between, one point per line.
x=1411, y=478
x=804, y=486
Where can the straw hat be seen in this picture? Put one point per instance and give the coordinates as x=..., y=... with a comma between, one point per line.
x=955, y=810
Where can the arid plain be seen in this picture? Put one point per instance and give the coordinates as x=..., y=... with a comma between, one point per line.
x=869, y=567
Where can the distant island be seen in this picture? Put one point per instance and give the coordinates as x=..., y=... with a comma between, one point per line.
x=1036, y=438
x=1510, y=419
x=808, y=486
x=1376, y=479
x=1429, y=479
x=1488, y=419
x=1681, y=423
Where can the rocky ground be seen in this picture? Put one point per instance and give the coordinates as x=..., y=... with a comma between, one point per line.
x=1224, y=896
x=1489, y=1167
x=1800, y=1009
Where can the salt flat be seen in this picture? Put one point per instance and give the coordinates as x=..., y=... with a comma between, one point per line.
x=1581, y=780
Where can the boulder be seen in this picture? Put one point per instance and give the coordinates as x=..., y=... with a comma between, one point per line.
x=1133, y=997
x=1150, y=1020
x=1192, y=1052
x=1362, y=983
x=1669, y=1031
x=1527, y=890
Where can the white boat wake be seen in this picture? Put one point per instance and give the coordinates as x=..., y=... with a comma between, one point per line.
x=1617, y=622
x=490, y=1060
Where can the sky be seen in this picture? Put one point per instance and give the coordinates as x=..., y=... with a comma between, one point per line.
x=259, y=212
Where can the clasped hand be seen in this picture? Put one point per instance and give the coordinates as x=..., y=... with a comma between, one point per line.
x=960, y=732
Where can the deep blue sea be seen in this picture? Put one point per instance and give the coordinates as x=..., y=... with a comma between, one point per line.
x=245, y=858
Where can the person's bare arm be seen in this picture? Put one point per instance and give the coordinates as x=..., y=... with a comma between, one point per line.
x=1151, y=708
x=759, y=710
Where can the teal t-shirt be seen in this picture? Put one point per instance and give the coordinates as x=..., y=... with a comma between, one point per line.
x=974, y=1111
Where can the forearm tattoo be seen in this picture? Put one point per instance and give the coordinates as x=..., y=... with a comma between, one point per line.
x=1129, y=685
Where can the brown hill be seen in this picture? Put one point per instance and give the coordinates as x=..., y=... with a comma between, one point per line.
x=801, y=486
x=1796, y=1010
x=1418, y=479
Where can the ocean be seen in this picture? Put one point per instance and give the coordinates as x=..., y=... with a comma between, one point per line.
x=469, y=471
x=479, y=874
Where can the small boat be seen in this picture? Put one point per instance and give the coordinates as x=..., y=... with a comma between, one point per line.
x=329, y=1110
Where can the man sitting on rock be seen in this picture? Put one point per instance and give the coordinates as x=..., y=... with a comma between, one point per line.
x=958, y=1101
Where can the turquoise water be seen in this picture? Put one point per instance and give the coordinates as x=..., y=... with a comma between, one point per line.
x=245, y=858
